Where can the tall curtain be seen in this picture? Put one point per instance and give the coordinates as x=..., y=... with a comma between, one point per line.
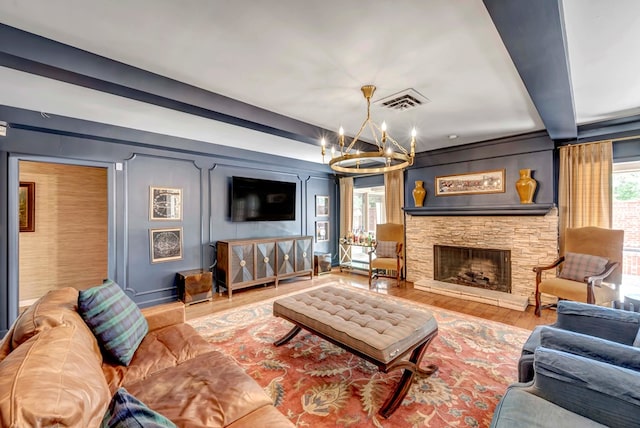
x=346, y=206
x=394, y=196
x=584, y=194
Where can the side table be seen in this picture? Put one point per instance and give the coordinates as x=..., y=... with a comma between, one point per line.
x=194, y=286
x=321, y=263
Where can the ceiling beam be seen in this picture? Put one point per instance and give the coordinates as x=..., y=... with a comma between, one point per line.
x=30, y=53
x=534, y=35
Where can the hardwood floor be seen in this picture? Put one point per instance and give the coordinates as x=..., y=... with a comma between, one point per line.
x=525, y=319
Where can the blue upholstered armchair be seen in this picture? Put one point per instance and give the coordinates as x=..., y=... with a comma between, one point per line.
x=570, y=390
x=582, y=371
x=614, y=325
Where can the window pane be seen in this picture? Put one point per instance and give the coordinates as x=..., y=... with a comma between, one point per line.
x=368, y=209
x=626, y=216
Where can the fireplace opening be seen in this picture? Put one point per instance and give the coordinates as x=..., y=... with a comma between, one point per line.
x=475, y=267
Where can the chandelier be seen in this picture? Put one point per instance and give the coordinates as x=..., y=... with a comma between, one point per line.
x=390, y=156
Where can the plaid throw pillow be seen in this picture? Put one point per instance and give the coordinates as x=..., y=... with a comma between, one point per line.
x=576, y=266
x=126, y=411
x=114, y=319
x=386, y=249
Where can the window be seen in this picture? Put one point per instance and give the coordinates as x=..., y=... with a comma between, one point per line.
x=626, y=216
x=368, y=211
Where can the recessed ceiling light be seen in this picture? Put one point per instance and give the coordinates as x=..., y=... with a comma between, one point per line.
x=453, y=136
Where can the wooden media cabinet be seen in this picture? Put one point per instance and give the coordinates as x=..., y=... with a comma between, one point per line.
x=244, y=263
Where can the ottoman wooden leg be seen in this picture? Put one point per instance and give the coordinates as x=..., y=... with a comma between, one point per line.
x=287, y=337
x=410, y=368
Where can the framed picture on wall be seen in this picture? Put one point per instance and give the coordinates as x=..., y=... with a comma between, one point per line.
x=471, y=183
x=165, y=244
x=165, y=203
x=322, y=231
x=322, y=206
x=27, y=206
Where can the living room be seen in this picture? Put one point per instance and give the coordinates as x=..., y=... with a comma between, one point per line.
x=99, y=114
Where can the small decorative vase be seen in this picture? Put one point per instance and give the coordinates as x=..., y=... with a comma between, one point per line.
x=526, y=186
x=419, y=193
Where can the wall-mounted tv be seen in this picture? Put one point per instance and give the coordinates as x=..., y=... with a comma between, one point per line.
x=254, y=199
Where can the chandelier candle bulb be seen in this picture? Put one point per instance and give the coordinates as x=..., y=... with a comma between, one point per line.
x=384, y=132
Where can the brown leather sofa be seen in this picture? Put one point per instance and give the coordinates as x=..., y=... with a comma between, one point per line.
x=52, y=373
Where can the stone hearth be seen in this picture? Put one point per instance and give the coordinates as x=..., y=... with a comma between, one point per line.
x=532, y=240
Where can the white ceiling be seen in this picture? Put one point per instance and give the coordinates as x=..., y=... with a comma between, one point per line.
x=307, y=60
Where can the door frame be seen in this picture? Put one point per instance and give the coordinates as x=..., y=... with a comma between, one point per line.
x=13, y=262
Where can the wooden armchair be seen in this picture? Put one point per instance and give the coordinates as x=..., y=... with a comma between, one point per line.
x=591, y=268
x=386, y=254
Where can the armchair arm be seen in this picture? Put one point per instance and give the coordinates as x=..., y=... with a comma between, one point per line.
x=597, y=279
x=372, y=251
x=539, y=269
x=591, y=347
x=611, y=324
x=602, y=392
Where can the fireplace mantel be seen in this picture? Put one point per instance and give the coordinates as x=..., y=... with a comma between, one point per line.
x=510, y=210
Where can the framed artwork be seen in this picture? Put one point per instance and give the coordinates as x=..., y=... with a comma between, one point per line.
x=27, y=206
x=165, y=203
x=322, y=231
x=322, y=206
x=471, y=183
x=165, y=244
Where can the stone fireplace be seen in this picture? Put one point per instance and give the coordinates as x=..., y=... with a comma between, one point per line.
x=530, y=239
x=486, y=268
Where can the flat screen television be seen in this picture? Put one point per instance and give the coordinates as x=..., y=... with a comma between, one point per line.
x=254, y=199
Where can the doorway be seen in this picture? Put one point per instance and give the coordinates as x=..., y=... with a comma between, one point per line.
x=66, y=243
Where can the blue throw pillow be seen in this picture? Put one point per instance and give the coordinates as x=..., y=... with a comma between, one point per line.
x=114, y=319
x=126, y=411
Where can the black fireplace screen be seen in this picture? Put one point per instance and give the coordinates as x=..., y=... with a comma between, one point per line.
x=476, y=267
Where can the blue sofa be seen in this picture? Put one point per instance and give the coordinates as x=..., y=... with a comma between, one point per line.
x=615, y=325
x=577, y=378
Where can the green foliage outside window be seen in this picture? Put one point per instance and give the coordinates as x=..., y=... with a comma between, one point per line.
x=626, y=186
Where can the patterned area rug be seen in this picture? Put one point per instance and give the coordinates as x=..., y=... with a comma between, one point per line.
x=315, y=383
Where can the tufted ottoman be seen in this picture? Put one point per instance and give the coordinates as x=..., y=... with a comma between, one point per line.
x=380, y=331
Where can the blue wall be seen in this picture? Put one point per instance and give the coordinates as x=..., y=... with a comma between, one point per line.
x=201, y=170
x=532, y=151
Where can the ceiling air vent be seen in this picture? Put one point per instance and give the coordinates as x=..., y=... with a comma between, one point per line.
x=403, y=100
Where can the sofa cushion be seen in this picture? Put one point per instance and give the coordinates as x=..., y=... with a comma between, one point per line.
x=161, y=349
x=607, y=323
x=114, y=318
x=591, y=347
x=599, y=391
x=576, y=266
x=520, y=409
x=54, y=379
x=126, y=411
x=53, y=309
x=210, y=390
